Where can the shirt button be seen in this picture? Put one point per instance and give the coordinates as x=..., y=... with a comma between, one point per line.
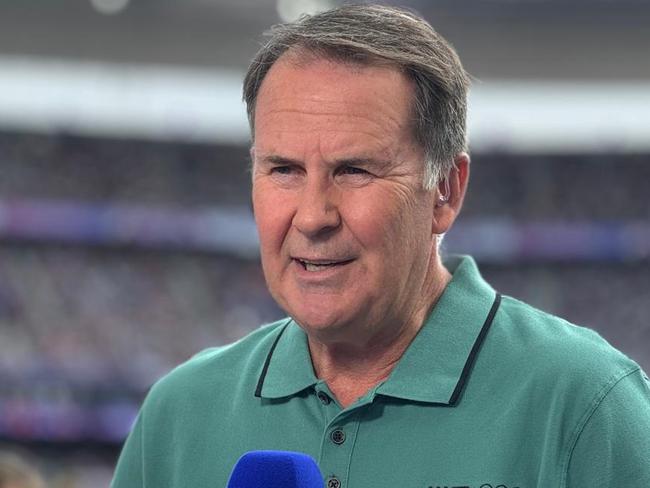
x=337, y=436
x=322, y=396
x=333, y=482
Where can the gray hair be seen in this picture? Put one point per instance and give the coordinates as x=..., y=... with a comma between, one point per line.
x=374, y=34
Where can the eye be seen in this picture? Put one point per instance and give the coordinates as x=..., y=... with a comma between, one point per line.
x=353, y=175
x=286, y=175
x=353, y=170
x=281, y=170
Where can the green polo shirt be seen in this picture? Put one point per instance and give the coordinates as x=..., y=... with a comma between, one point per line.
x=491, y=393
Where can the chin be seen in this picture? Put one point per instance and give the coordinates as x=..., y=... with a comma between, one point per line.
x=318, y=322
x=318, y=314
x=315, y=320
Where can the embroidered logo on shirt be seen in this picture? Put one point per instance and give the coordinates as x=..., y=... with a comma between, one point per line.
x=484, y=485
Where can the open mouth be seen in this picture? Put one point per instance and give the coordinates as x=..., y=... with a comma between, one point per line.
x=320, y=265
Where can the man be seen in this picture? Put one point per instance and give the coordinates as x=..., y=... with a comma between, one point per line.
x=394, y=368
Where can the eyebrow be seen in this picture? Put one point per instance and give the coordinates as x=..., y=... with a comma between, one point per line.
x=275, y=159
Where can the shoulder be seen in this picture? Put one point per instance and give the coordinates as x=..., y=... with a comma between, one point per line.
x=218, y=369
x=612, y=445
x=556, y=352
x=569, y=381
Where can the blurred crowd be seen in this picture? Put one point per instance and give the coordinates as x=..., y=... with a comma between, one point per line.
x=89, y=312
x=103, y=170
x=84, y=331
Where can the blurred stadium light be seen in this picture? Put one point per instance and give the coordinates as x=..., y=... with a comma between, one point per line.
x=119, y=100
x=109, y=7
x=290, y=10
x=135, y=101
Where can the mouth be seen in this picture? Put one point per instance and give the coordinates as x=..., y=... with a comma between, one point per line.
x=314, y=265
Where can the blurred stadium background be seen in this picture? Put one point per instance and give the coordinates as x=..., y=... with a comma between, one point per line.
x=126, y=239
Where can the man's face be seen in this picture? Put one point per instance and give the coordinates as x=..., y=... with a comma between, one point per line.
x=345, y=225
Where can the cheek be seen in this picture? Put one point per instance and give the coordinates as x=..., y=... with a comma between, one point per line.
x=377, y=228
x=380, y=216
x=269, y=218
x=394, y=230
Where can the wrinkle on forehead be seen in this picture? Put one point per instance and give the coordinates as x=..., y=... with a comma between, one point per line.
x=302, y=122
x=317, y=111
x=321, y=87
x=326, y=108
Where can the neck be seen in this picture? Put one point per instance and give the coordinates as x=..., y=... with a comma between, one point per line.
x=351, y=369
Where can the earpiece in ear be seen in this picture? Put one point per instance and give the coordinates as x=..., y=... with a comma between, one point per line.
x=443, y=197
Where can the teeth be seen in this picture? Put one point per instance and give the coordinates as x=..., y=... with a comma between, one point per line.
x=317, y=266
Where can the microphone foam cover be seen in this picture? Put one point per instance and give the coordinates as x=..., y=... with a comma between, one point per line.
x=275, y=469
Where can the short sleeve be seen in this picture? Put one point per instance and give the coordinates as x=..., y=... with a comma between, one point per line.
x=129, y=470
x=613, y=448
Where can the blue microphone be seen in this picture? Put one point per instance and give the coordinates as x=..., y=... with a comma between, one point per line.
x=275, y=469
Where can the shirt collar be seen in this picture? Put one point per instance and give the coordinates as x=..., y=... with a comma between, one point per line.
x=288, y=368
x=435, y=366
x=438, y=362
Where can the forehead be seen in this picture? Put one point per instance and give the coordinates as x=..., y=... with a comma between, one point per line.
x=328, y=95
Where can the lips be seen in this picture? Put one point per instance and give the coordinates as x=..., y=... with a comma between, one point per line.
x=314, y=265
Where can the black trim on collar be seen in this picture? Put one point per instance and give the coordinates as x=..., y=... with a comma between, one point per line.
x=471, y=359
x=260, y=382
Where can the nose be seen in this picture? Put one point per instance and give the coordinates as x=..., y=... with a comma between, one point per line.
x=317, y=213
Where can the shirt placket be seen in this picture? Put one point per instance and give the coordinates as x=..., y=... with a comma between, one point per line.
x=338, y=438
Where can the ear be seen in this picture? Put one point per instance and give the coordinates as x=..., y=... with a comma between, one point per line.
x=450, y=194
